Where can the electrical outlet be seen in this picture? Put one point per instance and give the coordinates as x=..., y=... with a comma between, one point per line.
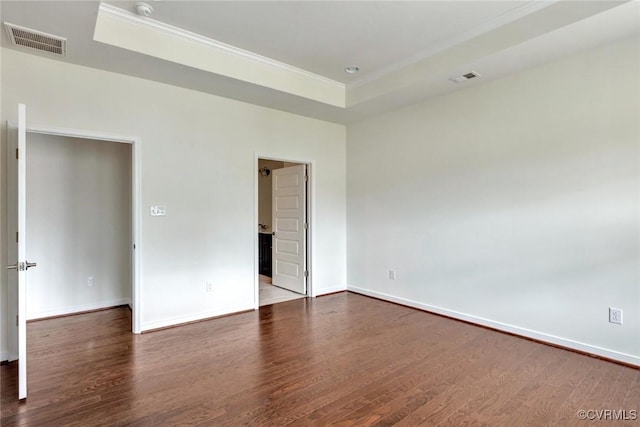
x=392, y=275
x=209, y=287
x=615, y=315
x=90, y=281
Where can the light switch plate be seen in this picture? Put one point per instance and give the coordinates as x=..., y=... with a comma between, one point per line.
x=158, y=210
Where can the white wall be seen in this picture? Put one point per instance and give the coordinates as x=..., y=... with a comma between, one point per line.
x=197, y=158
x=79, y=224
x=514, y=203
x=264, y=192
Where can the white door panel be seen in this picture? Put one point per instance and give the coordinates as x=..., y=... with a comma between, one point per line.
x=22, y=252
x=289, y=234
x=18, y=263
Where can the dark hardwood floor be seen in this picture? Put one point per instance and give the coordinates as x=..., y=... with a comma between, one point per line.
x=342, y=359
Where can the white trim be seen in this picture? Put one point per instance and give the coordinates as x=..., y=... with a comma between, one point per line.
x=136, y=298
x=194, y=317
x=78, y=308
x=509, y=16
x=256, y=235
x=331, y=290
x=129, y=17
x=136, y=230
x=311, y=214
x=79, y=133
x=552, y=339
x=311, y=228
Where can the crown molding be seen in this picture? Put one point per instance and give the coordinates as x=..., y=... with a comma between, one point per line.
x=148, y=23
x=511, y=15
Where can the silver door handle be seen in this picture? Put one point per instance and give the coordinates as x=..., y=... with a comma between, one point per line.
x=22, y=266
x=17, y=266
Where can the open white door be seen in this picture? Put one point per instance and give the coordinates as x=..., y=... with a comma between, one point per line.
x=289, y=205
x=22, y=265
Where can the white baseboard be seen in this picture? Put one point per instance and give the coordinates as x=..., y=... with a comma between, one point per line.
x=5, y=356
x=179, y=320
x=78, y=308
x=325, y=291
x=540, y=336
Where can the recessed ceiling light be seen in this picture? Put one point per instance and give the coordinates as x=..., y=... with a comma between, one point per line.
x=352, y=69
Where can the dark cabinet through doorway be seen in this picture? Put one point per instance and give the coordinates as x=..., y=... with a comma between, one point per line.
x=264, y=250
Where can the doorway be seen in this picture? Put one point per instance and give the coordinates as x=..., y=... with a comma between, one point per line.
x=17, y=336
x=283, y=231
x=78, y=197
x=17, y=226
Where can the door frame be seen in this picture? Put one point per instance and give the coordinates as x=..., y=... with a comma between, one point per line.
x=136, y=247
x=311, y=213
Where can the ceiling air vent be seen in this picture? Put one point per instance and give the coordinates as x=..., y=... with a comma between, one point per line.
x=468, y=76
x=38, y=40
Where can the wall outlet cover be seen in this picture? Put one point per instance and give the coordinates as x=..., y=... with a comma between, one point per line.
x=615, y=315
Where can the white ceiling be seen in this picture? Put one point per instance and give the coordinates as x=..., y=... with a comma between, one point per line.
x=406, y=50
x=324, y=37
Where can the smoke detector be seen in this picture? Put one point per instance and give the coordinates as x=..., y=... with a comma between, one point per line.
x=144, y=9
x=467, y=76
x=33, y=39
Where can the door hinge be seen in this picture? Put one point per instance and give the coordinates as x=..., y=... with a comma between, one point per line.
x=17, y=240
x=306, y=273
x=17, y=320
x=306, y=225
x=306, y=178
x=17, y=154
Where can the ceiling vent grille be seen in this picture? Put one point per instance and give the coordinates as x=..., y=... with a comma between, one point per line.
x=465, y=77
x=21, y=36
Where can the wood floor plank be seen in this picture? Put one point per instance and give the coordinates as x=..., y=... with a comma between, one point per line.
x=485, y=407
x=343, y=359
x=398, y=372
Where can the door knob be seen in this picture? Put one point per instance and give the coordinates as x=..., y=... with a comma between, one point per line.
x=22, y=266
x=17, y=266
